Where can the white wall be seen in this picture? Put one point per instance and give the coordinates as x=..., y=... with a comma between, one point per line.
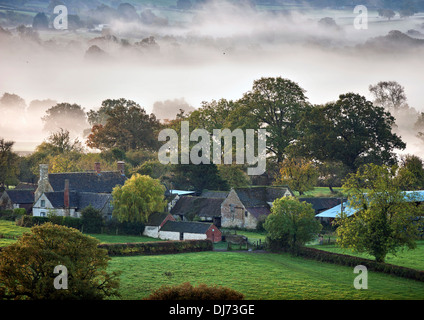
x=169, y=235
x=151, y=231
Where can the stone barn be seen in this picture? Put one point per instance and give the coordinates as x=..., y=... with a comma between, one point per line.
x=245, y=207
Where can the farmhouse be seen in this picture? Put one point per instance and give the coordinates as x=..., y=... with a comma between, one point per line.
x=206, y=209
x=184, y=230
x=245, y=207
x=67, y=194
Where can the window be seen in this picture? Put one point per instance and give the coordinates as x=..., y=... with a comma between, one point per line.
x=43, y=203
x=42, y=214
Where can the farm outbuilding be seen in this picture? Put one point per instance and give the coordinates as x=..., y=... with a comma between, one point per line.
x=184, y=230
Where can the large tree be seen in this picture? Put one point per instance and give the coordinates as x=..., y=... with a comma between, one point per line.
x=351, y=130
x=127, y=126
x=389, y=95
x=386, y=217
x=66, y=116
x=276, y=104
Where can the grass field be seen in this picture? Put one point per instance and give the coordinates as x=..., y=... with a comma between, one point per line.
x=257, y=275
x=264, y=276
x=406, y=258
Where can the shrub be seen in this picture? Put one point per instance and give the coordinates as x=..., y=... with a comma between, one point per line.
x=27, y=266
x=156, y=247
x=92, y=220
x=186, y=291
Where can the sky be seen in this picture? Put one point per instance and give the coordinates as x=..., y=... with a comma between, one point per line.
x=217, y=54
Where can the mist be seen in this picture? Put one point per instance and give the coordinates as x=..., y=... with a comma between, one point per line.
x=214, y=52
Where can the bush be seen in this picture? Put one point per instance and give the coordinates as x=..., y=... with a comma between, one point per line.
x=92, y=220
x=27, y=266
x=186, y=291
x=113, y=226
x=156, y=247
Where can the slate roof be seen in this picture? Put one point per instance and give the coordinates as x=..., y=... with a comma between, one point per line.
x=26, y=186
x=203, y=207
x=94, y=182
x=214, y=194
x=260, y=196
x=79, y=200
x=259, y=211
x=21, y=196
x=57, y=199
x=410, y=196
x=321, y=204
x=156, y=218
x=186, y=227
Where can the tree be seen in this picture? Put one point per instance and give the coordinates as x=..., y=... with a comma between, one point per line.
x=234, y=175
x=276, y=104
x=127, y=127
x=419, y=126
x=386, y=13
x=10, y=102
x=292, y=223
x=27, y=266
x=138, y=198
x=197, y=177
x=385, y=219
x=40, y=21
x=351, y=130
x=60, y=142
x=331, y=174
x=65, y=116
x=91, y=220
x=390, y=95
x=9, y=164
x=411, y=173
x=299, y=174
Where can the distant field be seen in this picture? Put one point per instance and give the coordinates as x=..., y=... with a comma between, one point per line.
x=406, y=258
x=264, y=276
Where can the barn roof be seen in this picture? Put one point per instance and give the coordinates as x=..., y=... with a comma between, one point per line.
x=186, y=227
x=410, y=196
x=214, y=194
x=260, y=196
x=321, y=204
x=156, y=218
x=103, y=182
x=200, y=206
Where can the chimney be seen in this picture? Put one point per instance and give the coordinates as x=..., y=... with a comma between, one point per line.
x=97, y=167
x=43, y=182
x=121, y=167
x=66, y=197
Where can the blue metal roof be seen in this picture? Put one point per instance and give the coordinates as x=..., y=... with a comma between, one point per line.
x=416, y=196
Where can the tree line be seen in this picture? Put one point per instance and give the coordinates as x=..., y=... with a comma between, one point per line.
x=307, y=145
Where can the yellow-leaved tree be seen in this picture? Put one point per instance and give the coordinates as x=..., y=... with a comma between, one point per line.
x=138, y=198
